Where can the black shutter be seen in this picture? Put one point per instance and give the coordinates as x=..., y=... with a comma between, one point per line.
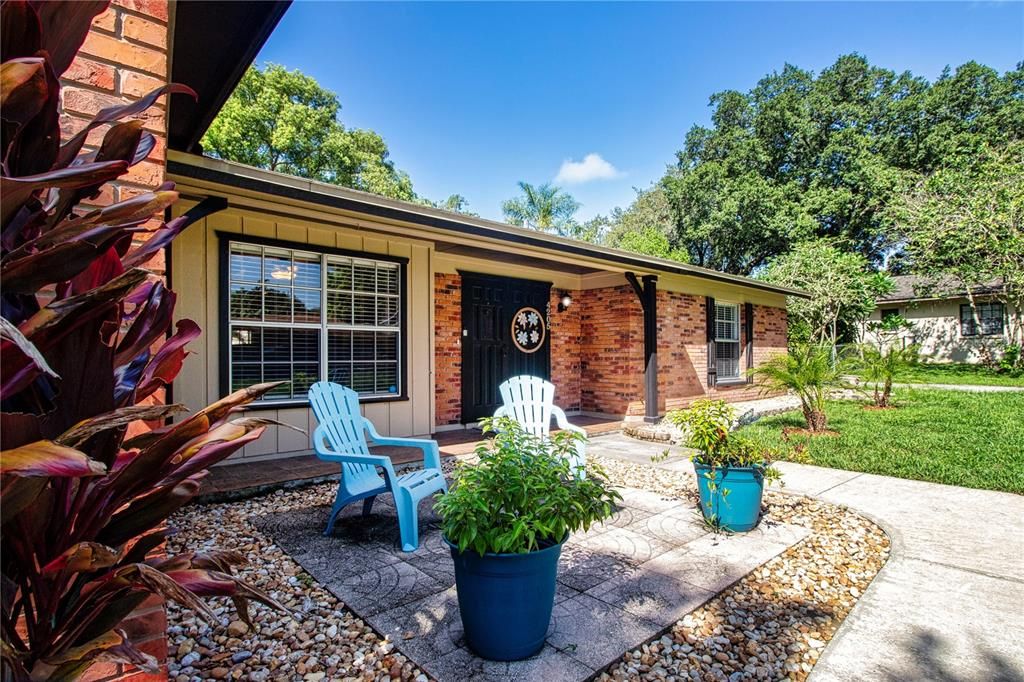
x=709, y=304
x=748, y=324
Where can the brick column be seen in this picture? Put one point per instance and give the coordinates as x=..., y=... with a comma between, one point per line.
x=447, y=349
x=124, y=57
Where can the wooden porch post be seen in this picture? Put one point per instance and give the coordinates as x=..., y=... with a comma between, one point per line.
x=648, y=295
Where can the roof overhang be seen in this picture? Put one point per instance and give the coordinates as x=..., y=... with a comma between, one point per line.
x=213, y=43
x=251, y=179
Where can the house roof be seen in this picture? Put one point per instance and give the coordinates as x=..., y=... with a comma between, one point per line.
x=244, y=177
x=212, y=61
x=214, y=42
x=920, y=287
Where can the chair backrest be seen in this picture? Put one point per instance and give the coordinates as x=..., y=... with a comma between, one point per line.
x=528, y=400
x=337, y=408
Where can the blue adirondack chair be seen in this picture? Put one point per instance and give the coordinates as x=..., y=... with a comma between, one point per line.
x=339, y=437
x=530, y=401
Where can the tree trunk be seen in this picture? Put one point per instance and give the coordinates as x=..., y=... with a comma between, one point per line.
x=886, y=392
x=816, y=420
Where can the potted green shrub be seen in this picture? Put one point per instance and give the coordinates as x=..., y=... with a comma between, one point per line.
x=505, y=520
x=731, y=471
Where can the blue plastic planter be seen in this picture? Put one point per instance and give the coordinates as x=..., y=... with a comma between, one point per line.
x=505, y=600
x=740, y=508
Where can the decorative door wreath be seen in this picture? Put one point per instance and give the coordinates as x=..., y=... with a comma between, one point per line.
x=528, y=329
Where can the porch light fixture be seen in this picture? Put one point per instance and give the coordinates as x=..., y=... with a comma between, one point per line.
x=564, y=303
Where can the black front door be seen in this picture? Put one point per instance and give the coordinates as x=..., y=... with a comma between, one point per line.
x=505, y=333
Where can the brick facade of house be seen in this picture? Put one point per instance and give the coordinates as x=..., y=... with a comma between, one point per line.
x=597, y=361
x=124, y=57
x=565, y=329
x=447, y=349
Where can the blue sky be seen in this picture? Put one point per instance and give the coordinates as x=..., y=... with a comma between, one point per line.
x=472, y=98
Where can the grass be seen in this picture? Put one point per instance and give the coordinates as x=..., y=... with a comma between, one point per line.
x=958, y=374
x=968, y=439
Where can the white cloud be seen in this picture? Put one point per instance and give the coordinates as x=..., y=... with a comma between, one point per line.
x=591, y=167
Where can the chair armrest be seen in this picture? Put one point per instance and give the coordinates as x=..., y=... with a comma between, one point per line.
x=431, y=453
x=324, y=452
x=563, y=421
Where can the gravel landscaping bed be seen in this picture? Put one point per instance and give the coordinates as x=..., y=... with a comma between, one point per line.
x=774, y=623
x=324, y=640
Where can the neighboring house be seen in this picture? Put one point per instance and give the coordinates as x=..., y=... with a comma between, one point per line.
x=942, y=321
x=422, y=311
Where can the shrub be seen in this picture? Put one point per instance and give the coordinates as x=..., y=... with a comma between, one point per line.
x=809, y=371
x=879, y=365
x=522, y=495
x=86, y=487
x=707, y=424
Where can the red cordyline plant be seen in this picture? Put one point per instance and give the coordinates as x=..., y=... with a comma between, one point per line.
x=85, y=348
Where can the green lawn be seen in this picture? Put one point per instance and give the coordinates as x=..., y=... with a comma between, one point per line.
x=968, y=439
x=958, y=374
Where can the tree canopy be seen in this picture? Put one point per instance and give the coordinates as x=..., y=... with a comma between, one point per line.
x=965, y=223
x=842, y=285
x=285, y=121
x=803, y=156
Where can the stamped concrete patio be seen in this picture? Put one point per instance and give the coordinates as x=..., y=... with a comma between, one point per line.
x=619, y=584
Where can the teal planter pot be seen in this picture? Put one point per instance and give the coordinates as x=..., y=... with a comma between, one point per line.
x=730, y=497
x=505, y=600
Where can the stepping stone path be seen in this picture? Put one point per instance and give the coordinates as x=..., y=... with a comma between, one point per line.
x=619, y=584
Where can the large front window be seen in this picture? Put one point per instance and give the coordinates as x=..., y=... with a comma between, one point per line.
x=300, y=316
x=727, y=340
x=989, y=322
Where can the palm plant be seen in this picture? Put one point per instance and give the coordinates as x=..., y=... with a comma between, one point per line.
x=543, y=207
x=86, y=349
x=809, y=371
x=879, y=364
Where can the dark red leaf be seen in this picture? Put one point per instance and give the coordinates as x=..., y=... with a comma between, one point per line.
x=166, y=363
x=17, y=190
x=172, y=229
x=20, y=28
x=115, y=113
x=64, y=28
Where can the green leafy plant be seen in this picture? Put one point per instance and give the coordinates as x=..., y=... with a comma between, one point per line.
x=810, y=371
x=880, y=363
x=522, y=495
x=87, y=486
x=1011, y=360
x=708, y=425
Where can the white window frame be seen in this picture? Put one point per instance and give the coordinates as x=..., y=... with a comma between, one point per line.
x=324, y=326
x=719, y=340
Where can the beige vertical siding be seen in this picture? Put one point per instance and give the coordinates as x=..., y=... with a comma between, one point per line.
x=195, y=276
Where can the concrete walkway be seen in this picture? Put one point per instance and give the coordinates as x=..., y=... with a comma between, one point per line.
x=949, y=604
x=966, y=388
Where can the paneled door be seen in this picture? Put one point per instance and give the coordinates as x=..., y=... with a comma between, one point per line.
x=504, y=334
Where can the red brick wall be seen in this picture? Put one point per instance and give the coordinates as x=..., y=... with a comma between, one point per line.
x=682, y=349
x=611, y=349
x=447, y=349
x=123, y=57
x=566, y=335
